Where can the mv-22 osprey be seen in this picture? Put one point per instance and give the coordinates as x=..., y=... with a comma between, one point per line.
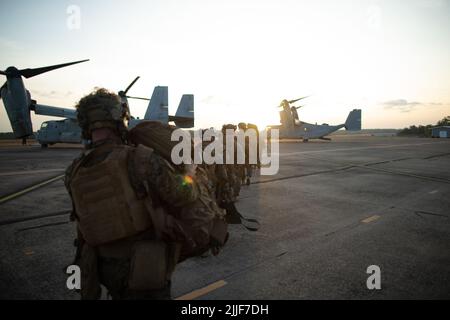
x=292, y=128
x=18, y=105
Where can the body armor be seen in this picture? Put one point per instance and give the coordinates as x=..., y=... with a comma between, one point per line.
x=106, y=204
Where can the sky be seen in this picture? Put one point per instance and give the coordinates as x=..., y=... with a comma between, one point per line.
x=240, y=58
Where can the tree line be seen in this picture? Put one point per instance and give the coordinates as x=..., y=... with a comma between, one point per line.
x=424, y=131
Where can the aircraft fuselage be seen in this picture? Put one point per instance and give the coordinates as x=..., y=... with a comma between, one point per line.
x=306, y=131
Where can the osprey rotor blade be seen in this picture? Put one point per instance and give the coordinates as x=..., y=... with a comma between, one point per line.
x=129, y=97
x=1, y=88
x=28, y=73
x=131, y=84
x=3, y=72
x=293, y=101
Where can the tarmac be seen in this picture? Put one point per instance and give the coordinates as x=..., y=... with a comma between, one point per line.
x=334, y=209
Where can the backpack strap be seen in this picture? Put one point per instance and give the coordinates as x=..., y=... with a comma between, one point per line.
x=235, y=217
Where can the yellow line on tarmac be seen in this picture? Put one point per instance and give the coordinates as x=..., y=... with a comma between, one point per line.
x=371, y=219
x=26, y=190
x=24, y=172
x=201, y=292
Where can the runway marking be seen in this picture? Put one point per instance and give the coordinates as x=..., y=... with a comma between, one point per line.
x=430, y=214
x=29, y=189
x=437, y=156
x=201, y=292
x=351, y=166
x=302, y=175
x=16, y=173
x=433, y=192
x=43, y=226
x=35, y=217
x=360, y=148
x=371, y=219
x=28, y=252
x=406, y=174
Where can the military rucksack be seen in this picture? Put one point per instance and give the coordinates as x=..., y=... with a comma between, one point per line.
x=203, y=219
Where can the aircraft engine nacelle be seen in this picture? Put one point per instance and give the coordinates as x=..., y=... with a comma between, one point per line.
x=17, y=101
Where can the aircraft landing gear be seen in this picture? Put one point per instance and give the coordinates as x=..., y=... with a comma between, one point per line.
x=305, y=140
x=44, y=146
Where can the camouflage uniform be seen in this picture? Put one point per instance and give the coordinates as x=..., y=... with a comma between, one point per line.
x=114, y=258
x=249, y=168
x=129, y=237
x=231, y=186
x=203, y=220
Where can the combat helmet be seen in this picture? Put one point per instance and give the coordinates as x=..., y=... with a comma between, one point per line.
x=102, y=109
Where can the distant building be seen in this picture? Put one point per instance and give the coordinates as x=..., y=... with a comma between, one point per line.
x=440, y=132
